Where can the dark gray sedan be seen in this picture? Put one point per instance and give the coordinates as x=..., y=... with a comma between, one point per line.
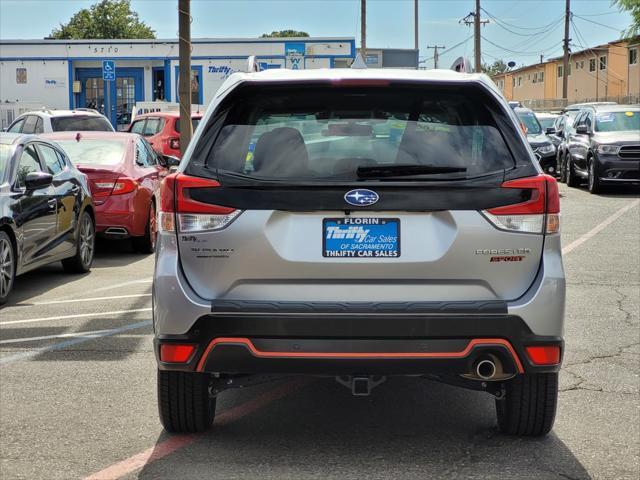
x=604, y=147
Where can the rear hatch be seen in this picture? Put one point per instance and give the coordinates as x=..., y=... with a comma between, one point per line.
x=370, y=192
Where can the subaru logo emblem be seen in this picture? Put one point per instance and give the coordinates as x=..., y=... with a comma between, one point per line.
x=361, y=197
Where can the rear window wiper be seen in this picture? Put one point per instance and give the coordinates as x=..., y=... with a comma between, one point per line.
x=379, y=171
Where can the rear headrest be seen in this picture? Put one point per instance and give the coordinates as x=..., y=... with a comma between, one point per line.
x=280, y=150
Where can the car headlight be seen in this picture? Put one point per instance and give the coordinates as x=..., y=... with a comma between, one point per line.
x=608, y=149
x=545, y=149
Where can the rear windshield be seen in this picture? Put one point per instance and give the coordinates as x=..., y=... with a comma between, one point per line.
x=194, y=121
x=530, y=122
x=618, y=121
x=80, y=122
x=94, y=152
x=343, y=134
x=546, y=122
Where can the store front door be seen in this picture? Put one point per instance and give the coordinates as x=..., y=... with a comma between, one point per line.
x=114, y=99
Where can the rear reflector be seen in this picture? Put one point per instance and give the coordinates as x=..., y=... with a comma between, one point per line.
x=544, y=355
x=176, y=353
x=537, y=214
x=192, y=215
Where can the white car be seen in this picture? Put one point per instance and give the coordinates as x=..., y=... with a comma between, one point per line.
x=47, y=121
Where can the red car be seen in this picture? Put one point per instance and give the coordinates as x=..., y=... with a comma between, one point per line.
x=162, y=130
x=124, y=176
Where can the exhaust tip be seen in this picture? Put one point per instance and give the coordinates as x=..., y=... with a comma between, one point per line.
x=486, y=369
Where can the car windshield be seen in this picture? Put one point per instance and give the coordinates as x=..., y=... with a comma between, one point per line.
x=530, y=122
x=344, y=134
x=194, y=121
x=546, y=122
x=618, y=121
x=94, y=152
x=5, y=155
x=80, y=123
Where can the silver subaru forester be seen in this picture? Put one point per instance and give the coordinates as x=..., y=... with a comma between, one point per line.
x=359, y=224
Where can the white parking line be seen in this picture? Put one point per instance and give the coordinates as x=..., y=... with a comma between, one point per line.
x=598, y=228
x=93, y=334
x=78, y=315
x=75, y=300
x=75, y=341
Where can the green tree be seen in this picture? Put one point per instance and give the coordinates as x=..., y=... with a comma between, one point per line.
x=633, y=7
x=284, y=33
x=495, y=68
x=105, y=19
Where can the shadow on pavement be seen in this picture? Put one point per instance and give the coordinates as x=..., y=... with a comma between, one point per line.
x=117, y=253
x=407, y=428
x=625, y=191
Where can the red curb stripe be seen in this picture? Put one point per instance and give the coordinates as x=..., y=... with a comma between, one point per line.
x=177, y=442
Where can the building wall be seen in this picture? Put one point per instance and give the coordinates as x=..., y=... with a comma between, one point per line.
x=53, y=65
x=617, y=79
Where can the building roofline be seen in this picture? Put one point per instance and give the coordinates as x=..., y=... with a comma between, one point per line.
x=46, y=41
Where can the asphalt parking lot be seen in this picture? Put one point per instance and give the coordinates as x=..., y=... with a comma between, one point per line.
x=77, y=386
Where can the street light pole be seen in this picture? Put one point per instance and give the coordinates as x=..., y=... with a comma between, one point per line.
x=363, y=30
x=415, y=21
x=184, y=83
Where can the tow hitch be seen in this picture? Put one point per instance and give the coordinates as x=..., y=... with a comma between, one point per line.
x=361, y=385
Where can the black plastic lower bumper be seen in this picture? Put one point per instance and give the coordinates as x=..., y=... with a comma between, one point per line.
x=446, y=341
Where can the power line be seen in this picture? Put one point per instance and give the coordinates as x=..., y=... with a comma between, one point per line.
x=595, y=23
x=501, y=24
x=523, y=28
x=593, y=52
x=521, y=52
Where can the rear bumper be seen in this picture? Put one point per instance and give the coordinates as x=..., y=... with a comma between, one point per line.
x=380, y=338
x=119, y=214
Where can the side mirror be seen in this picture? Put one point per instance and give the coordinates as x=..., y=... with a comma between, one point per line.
x=37, y=180
x=550, y=131
x=169, y=161
x=582, y=130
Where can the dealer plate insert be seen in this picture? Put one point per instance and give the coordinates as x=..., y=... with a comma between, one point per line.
x=361, y=237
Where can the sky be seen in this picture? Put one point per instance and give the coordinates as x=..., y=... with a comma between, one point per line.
x=518, y=30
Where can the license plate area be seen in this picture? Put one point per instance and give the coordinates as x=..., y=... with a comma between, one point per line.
x=361, y=237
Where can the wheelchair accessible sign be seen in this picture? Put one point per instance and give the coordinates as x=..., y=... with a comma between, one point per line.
x=108, y=70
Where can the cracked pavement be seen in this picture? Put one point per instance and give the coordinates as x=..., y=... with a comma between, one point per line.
x=71, y=412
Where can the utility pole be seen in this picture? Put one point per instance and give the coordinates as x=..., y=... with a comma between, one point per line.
x=477, y=23
x=415, y=21
x=184, y=32
x=363, y=30
x=435, y=53
x=565, y=60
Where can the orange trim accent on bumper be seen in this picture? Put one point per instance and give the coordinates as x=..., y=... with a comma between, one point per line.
x=354, y=355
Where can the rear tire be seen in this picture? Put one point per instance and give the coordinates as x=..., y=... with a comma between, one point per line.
x=572, y=179
x=7, y=267
x=85, y=246
x=562, y=170
x=529, y=405
x=147, y=243
x=184, y=404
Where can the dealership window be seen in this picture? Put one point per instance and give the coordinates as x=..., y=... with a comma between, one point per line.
x=633, y=56
x=560, y=71
x=603, y=62
x=372, y=59
x=519, y=81
x=513, y=81
x=592, y=65
x=196, y=84
x=535, y=77
x=540, y=77
x=21, y=75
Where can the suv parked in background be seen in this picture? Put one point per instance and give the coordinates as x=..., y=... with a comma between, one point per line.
x=359, y=224
x=162, y=130
x=604, y=147
x=542, y=147
x=47, y=121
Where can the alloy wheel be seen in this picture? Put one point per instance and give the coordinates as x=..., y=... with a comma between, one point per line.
x=592, y=174
x=87, y=240
x=6, y=267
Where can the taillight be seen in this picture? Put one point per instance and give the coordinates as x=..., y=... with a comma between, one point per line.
x=104, y=188
x=176, y=353
x=544, y=355
x=541, y=213
x=174, y=143
x=191, y=214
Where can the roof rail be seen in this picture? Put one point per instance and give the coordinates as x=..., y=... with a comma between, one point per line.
x=82, y=109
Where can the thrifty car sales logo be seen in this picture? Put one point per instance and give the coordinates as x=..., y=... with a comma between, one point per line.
x=225, y=70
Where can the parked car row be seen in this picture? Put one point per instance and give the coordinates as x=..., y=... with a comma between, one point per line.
x=602, y=147
x=75, y=180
